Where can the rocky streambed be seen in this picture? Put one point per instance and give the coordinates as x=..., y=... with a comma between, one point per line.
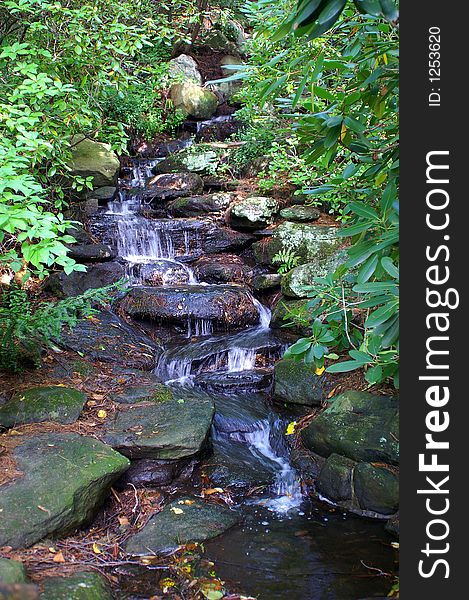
x=191, y=428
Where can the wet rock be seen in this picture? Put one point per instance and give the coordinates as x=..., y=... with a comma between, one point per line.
x=75, y=284
x=65, y=478
x=295, y=382
x=184, y=521
x=169, y=430
x=185, y=67
x=266, y=281
x=188, y=161
x=335, y=478
x=253, y=380
x=281, y=318
x=44, y=403
x=18, y=591
x=91, y=253
x=151, y=391
x=161, y=272
x=310, y=243
x=169, y=186
x=255, y=212
x=300, y=213
x=195, y=206
x=359, y=425
x=85, y=585
x=222, y=268
x=194, y=100
x=12, y=571
x=376, y=488
x=154, y=473
x=222, y=239
x=392, y=526
x=94, y=159
x=217, y=129
x=107, y=338
x=299, y=278
x=103, y=194
x=226, y=307
x=307, y=463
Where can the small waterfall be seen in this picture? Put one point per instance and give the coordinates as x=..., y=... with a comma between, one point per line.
x=199, y=327
x=265, y=314
x=241, y=359
x=286, y=489
x=140, y=240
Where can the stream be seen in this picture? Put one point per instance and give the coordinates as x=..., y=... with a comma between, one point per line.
x=287, y=544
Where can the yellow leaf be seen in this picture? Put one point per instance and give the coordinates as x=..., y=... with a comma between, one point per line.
x=102, y=414
x=176, y=511
x=211, y=491
x=343, y=132
x=96, y=549
x=320, y=370
x=59, y=558
x=291, y=428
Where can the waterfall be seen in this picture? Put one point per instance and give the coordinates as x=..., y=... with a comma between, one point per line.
x=241, y=359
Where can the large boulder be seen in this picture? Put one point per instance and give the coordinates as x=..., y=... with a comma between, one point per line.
x=195, y=206
x=65, y=478
x=183, y=521
x=194, y=100
x=168, y=186
x=45, y=403
x=188, y=161
x=93, y=159
x=222, y=268
x=184, y=68
x=296, y=281
x=76, y=284
x=359, y=425
x=107, y=338
x=160, y=272
x=12, y=571
x=168, y=430
x=225, y=307
x=297, y=383
x=84, y=585
x=311, y=243
x=376, y=488
x=254, y=212
x=335, y=480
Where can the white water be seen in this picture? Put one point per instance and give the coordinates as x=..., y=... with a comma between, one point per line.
x=241, y=359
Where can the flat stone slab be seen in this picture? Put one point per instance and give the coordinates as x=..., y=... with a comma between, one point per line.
x=87, y=585
x=151, y=391
x=182, y=522
x=65, y=478
x=169, y=430
x=45, y=403
x=107, y=338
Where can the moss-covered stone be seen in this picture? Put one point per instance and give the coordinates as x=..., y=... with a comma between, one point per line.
x=311, y=243
x=194, y=100
x=18, y=591
x=253, y=213
x=295, y=281
x=296, y=382
x=267, y=281
x=65, y=478
x=302, y=214
x=94, y=159
x=87, y=585
x=362, y=426
x=184, y=67
x=376, y=488
x=335, y=478
x=45, y=403
x=184, y=521
x=190, y=160
x=12, y=571
x=280, y=316
x=146, y=392
x=195, y=206
x=168, y=430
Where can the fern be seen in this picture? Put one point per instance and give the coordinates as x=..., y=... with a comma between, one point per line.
x=288, y=260
x=26, y=330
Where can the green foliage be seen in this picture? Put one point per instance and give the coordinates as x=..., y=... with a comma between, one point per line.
x=287, y=259
x=26, y=328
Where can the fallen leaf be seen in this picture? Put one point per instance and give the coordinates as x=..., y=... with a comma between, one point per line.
x=176, y=511
x=102, y=414
x=96, y=549
x=291, y=428
x=320, y=370
x=123, y=521
x=211, y=491
x=59, y=558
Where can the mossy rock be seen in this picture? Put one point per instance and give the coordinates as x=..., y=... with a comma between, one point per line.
x=146, y=392
x=12, y=571
x=184, y=521
x=18, y=591
x=359, y=425
x=189, y=161
x=335, y=479
x=94, y=159
x=295, y=382
x=87, y=585
x=184, y=67
x=267, y=281
x=296, y=280
x=65, y=479
x=194, y=100
x=303, y=214
x=280, y=316
x=254, y=212
x=195, y=206
x=45, y=403
x=376, y=488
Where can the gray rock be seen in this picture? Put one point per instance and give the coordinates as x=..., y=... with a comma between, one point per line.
x=85, y=585
x=169, y=430
x=267, y=281
x=154, y=473
x=222, y=268
x=103, y=194
x=12, y=571
x=299, y=278
x=94, y=159
x=376, y=488
x=188, y=161
x=359, y=425
x=194, y=206
x=151, y=391
x=184, y=67
x=168, y=186
x=91, y=253
x=251, y=380
x=161, y=272
x=297, y=383
x=96, y=276
x=65, y=479
x=184, y=521
x=300, y=213
x=255, y=212
x=281, y=316
x=335, y=479
x=194, y=100
x=45, y=403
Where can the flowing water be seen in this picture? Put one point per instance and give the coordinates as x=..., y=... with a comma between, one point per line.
x=287, y=547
